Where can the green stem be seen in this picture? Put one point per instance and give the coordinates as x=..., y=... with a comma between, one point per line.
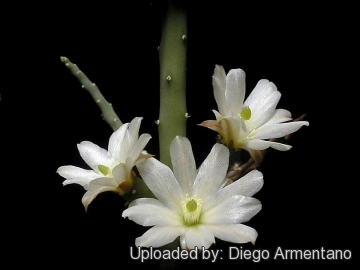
x=107, y=110
x=172, y=118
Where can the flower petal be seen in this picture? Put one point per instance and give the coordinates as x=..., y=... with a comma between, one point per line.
x=257, y=144
x=236, y=209
x=262, y=102
x=94, y=190
x=81, y=182
x=183, y=162
x=133, y=131
x=235, y=90
x=269, y=131
x=150, y=212
x=219, y=85
x=137, y=149
x=130, y=138
x=120, y=173
x=94, y=155
x=211, y=124
x=227, y=127
x=198, y=236
x=161, y=181
x=247, y=185
x=143, y=201
x=104, y=181
x=116, y=141
x=231, y=128
x=218, y=116
x=159, y=236
x=211, y=172
x=234, y=233
x=76, y=175
x=279, y=116
x=142, y=157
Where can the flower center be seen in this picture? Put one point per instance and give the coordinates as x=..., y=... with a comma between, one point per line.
x=191, y=207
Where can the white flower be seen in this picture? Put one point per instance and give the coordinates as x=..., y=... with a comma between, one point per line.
x=197, y=206
x=111, y=170
x=248, y=125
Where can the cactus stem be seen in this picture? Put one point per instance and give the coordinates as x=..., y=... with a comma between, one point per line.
x=108, y=112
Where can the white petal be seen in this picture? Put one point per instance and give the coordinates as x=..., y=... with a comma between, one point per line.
x=143, y=201
x=94, y=155
x=72, y=172
x=257, y=144
x=247, y=185
x=218, y=116
x=219, y=85
x=269, y=131
x=161, y=181
x=133, y=130
x=211, y=124
x=236, y=209
x=116, y=141
x=279, y=116
x=137, y=149
x=235, y=90
x=234, y=233
x=159, y=236
x=90, y=195
x=231, y=128
x=81, y=182
x=130, y=138
x=142, y=157
x=261, y=90
x=198, y=236
x=183, y=162
x=120, y=173
x=104, y=181
x=262, y=102
x=211, y=172
x=150, y=212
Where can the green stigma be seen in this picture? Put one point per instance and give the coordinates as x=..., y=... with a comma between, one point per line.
x=103, y=169
x=245, y=113
x=191, y=205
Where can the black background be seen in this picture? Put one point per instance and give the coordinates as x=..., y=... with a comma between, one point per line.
x=309, y=193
